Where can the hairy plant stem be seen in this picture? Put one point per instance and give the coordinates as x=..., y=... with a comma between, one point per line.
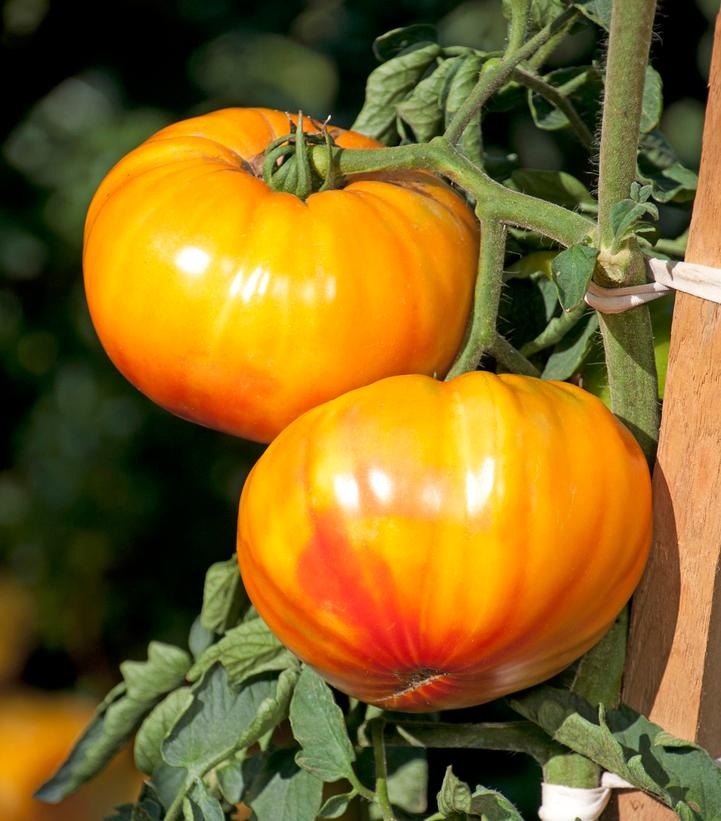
x=493, y=200
x=627, y=337
x=496, y=73
x=510, y=736
x=517, y=26
x=481, y=331
x=379, y=752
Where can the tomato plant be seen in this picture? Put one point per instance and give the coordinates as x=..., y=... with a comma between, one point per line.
x=240, y=307
x=361, y=525
x=422, y=545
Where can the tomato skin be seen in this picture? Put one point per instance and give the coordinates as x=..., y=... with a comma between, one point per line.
x=238, y=307
x=427, y=545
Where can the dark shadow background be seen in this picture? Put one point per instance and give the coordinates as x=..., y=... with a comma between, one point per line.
x=110, y=509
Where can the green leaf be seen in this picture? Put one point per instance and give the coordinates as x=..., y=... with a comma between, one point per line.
x=408, y=779
x=423, y=108
x=223, y=719
x=621, y=741
x=393, y=42
x=246, y=650
x=199, y=638
x=336, y=805
x=118, y=717
x=652, y=100
x=223, y=596
x=570, y=354
x=208, y=807
x=581, y=85
x=492, y=806
x=598, y=11
x=461, y=85
x=284, y=792
x=387, y=86
x=157, y=726
x=553, y=186
x=572, y=271
x=627, y=219
x=318, y=725
x=454, y=795
x=659, y=166
x=540, y=13
x=230, y=780
x=148, y=808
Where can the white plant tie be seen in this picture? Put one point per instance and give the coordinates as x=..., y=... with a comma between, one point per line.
x=668, y=275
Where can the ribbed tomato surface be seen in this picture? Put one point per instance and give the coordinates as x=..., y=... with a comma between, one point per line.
x=239, y=307
x=427, y=545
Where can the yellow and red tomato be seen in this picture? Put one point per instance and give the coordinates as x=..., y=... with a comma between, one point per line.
x=427, y=545
x=239, y=307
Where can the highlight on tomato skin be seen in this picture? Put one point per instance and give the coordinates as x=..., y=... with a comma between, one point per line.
x=239, y=307
x=427, y=545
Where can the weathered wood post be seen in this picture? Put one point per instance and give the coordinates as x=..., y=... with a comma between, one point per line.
x=673, y=671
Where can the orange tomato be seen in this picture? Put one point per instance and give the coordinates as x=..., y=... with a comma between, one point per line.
x=427, y=545
x=37, y=731
x=239, y=307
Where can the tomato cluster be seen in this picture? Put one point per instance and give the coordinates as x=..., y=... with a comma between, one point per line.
x=421, y=544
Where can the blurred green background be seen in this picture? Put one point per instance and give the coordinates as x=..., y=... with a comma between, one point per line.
x=110, y=509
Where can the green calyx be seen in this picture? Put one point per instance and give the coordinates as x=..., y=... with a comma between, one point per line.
x=287, y=165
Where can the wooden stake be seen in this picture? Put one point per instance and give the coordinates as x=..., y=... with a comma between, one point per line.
x=673, y=671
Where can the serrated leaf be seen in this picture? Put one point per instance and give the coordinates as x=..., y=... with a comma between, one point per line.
x=318, y=725
x=570, y=354
x=156, y=728
x=461, y=85
x=217, y=723
x=620, y=741
x=598, y=11
x=282, y=791
x=422, y=110
x=223, y=596
x=454, y=795
x=572, y=271
x=246, y=650
x=118, y=718
x=207, y=805
x=652, y=100
x=553, y=186
x=387, y=85
x=627, y=216
x=394, y=42
x=336, y=805
x=164, y=670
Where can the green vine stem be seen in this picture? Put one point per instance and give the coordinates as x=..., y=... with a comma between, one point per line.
x=627, y=337
x=379, y=752
x=481, y=331
x=511, y=359
x=556, y=329
x=493, y=200
x=496, y=72
x=510, y=736
x=517, y=27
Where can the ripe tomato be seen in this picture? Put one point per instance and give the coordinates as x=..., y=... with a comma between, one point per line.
x=427, y=545
x=239, y=307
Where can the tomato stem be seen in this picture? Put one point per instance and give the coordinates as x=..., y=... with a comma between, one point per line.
x=627, y=337
x=379, y=751
x=481, y=331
